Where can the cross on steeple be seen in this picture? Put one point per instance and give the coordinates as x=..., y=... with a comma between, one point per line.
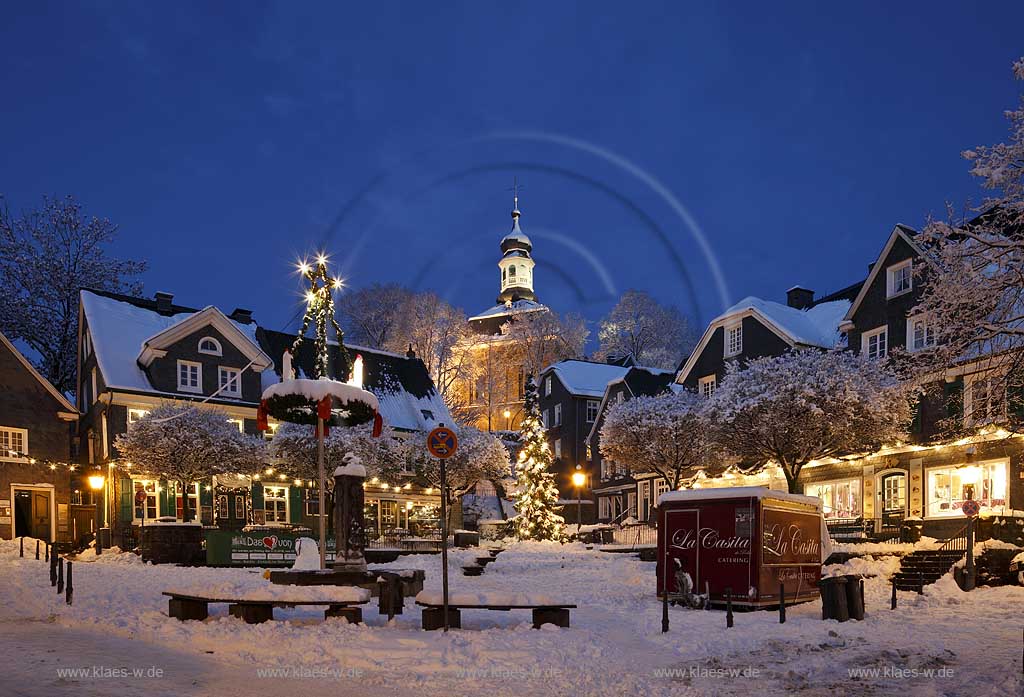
x=515, y=195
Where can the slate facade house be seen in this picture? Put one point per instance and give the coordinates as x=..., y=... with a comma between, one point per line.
x=137, y=353
x=37, y=425
x=620, y=492
x=570, y=397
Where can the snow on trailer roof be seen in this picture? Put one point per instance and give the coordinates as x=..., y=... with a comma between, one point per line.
x=737, y=492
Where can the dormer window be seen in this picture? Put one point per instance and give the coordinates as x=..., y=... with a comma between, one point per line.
x=427, y=414
x=210, y=346
x=190, y=376
x=900, y=278
x=733, y=340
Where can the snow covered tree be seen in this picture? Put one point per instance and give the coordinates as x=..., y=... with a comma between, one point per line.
x=974, y=281
x=480, y=456
x=186, y=444
x=650, y=333
x=543, y=338
x=46, y=257
x=374, y=316
x=537, y=495
x=807, y=405
x=667, y=434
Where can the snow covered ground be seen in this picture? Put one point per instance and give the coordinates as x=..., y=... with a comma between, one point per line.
x=970, y=643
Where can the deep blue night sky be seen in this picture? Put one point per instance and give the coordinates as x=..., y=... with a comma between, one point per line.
x=227, y=142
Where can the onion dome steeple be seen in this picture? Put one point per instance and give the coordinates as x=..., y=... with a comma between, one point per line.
x=516, y=263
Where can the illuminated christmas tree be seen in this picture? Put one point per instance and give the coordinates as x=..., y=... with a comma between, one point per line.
x=320, y=307
x=537, y=497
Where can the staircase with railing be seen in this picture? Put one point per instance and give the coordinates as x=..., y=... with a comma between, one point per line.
x=924, y=567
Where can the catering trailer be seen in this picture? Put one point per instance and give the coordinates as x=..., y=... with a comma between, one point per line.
x=740, y=542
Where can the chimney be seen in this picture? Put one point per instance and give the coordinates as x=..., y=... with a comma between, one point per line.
x=800, y=298
x=163, y=302
x=241, y=315
x=410, y=353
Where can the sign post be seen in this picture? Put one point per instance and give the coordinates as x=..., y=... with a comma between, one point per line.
x=442, y=444
x=971, y=508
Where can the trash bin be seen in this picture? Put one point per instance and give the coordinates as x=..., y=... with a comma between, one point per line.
x=910, y=530
x=833, y=598
x=854, y=597
x=467, y=538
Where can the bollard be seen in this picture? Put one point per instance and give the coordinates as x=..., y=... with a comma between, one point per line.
x=60, y=575
x=892, y=603
x=664, y=595
x=68, y=590
x=21, y=547
x=920, y=582
x=782, y=603
x=728, y=607
x=863, y=600
x=47, y=551
x=37, y=550
x=53, y=569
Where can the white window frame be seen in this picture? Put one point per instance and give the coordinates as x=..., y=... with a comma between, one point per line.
x=952, y=512
x=218, y=351
x=707, y=385
x=660, y=487
x=558, y=448
x=154, y=495
x=547, y=385
x=891, y=275
x=593, y=409
x=240, y=423
x=865, y=342
x=929, y=331
x=733, y=339
x=134, y=414
x=995, y=410
x=558, y=415
x=276, y=499
x=198, y=389
x=7, y=444
x=603, y=508
x=237, y=379
x=86, y=345
x=193, y=495
x=835, y=484
x=92, y=381
x=544, y=418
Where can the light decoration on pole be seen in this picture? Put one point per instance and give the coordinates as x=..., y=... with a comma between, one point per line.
x=320, y=308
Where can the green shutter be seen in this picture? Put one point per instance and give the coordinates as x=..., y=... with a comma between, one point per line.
x=295, y=504
x=165, y=506
x=127, y=499
x=953, y=392
x=1015, y=398
x=257, y=496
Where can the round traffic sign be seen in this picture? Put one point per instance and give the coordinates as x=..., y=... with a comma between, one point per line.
x=442, y=442
x=970, y=507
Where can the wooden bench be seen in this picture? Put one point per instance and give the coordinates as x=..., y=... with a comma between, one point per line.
x=472, y=570
x=433, y=613
x=196, y=607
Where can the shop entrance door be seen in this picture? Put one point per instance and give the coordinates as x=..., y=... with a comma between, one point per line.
x=32, y=514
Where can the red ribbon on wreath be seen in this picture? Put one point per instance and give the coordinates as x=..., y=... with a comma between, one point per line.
x=261, y=416
x=378, y=425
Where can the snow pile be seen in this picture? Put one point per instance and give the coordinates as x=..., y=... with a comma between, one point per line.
x=246, y=589
x=307, y=554
x=494, y=598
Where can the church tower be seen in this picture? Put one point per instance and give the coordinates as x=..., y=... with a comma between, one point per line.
x=516, y=264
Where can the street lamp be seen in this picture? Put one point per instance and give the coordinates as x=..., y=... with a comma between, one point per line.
x=96, y=482
x=578, y=480
x=508, y=423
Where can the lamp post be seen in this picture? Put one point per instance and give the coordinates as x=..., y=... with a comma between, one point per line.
x=578, y=480
x=508, y=420
x=96, y=482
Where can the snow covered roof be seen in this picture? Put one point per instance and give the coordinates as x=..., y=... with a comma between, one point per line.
x=816, y=326
x=737, y=492
x=899, y=231
x=120, y=326
x=406, y=396
x=585, y=378
x=514, y=308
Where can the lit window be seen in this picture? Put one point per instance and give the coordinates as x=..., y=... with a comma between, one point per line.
x=190, y=376
x=136, y=414
x=558, y=415
x=230, y=381
x=209, y=346
x=734, y=340
x=13, y=444
x=838, y=499
x=920, y=333
x=948, y=488
x=145, y=499
x=239, y=423
x=547, y=385
x=592, y=406
x=900, y=278
x=275, y=503
x=193, y=500
x=875, y=344
x=707, y=386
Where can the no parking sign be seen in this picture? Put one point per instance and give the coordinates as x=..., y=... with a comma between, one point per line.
x=442, y=442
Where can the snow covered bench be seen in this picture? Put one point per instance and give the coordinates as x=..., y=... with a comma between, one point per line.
x=545, y=610
x=255, y=606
